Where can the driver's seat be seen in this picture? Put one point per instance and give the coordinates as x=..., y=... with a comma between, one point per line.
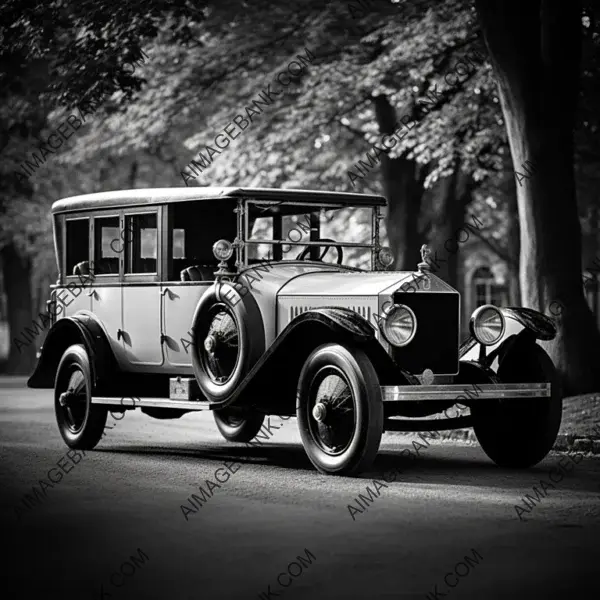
x=199, y=273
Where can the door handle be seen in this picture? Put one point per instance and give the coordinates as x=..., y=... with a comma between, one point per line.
x=92, y=293
x=120, y=333
x=165, y=291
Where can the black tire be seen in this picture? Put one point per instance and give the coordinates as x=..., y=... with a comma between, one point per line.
x=354, y=405
x=234, y=324
x=80, y=422
x=519, y=433
x=238, y=425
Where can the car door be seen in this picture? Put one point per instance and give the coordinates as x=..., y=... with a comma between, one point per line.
x=180, y=298
x=141, y=289
x=105, y=291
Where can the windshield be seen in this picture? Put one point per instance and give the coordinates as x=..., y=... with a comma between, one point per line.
x=335, y=235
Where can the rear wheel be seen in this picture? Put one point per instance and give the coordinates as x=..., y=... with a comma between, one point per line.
x=80, y=422
x=340, y=410
x=520, y=433
x=238, y=425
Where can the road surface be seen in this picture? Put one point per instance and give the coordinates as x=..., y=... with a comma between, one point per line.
x=113, y=526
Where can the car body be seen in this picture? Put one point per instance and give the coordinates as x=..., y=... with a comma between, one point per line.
x=188, y=300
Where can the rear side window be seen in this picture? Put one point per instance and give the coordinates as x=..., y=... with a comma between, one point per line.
x=78, y=250
x=178, y=244
x=107, y=245
x=141, y=248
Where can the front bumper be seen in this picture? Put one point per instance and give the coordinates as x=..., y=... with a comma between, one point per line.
x=461, y=392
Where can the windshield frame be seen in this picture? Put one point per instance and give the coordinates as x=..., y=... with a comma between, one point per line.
x=244, y=241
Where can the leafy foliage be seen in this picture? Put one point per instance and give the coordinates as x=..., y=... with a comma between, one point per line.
x=207, y=64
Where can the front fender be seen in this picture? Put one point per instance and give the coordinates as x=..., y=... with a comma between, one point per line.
x=517, y=319
x=79, y=329
x=274, y=378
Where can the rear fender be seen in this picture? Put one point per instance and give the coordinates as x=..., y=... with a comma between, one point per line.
x=79, y=329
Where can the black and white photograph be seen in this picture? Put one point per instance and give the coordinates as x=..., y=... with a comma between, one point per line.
x=299, y=300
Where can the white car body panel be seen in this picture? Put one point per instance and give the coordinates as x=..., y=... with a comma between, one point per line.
x=179, y=303
x=142, y=325
x=106, y=310
x=263, y=282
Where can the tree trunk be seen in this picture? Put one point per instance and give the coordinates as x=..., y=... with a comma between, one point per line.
x=594, y=285
x=536, y=56
x=133, y=171
x=513, y=245
x=454, y=195
x=17, y=282
x=404, y=192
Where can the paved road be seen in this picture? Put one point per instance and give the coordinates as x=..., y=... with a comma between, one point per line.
x=448, y=504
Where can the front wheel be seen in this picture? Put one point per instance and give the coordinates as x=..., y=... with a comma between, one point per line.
x=339, y=410
x=80, y=422
x=238, y=425
x=519, y=433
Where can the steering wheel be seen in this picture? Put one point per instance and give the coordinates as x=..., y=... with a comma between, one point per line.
x=306, y=251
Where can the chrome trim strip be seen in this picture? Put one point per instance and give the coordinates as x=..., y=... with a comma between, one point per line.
x=155, y=402
x=479, y=391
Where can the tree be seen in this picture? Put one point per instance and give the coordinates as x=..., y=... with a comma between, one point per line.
x=59, y=53
x=536, y=58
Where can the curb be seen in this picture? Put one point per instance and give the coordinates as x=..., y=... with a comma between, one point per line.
x=571, y=441
x=564, y=441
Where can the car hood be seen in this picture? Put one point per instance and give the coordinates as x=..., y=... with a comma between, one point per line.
x=344, y=283
x=304, y=278
x=287, y=289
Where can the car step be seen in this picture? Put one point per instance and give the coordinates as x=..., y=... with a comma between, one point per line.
x=152, y=402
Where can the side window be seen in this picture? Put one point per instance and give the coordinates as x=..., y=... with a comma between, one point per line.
x=107, y=245
x=179, y=244
x=141, y=248
x=194, y=227
x=78, y=252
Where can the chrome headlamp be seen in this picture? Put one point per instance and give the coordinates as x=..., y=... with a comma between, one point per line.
x=400, y=325
x=386, y=257
x=222, y=249
x=487, y=325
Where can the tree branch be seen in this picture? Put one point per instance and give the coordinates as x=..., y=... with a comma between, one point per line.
x=503, y=254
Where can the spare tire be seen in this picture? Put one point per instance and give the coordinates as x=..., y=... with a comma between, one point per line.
x=229, y=338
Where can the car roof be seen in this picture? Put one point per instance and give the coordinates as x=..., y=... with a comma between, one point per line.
x=147, y=196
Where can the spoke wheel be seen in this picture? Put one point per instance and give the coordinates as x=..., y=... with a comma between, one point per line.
x=221, y=345
x=74, y=399
x=229, y=338
x=333, y=411
x=80, y=422
x=518, y=434
x=340, y=410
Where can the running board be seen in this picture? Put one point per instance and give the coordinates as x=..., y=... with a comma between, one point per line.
x=427, y=424
x=465, y=392
x=153, y=402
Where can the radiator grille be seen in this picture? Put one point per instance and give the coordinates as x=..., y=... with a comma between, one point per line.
x=363, y=311
x=436, y=343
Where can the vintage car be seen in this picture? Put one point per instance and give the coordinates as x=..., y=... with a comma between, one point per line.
x=238, y=301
